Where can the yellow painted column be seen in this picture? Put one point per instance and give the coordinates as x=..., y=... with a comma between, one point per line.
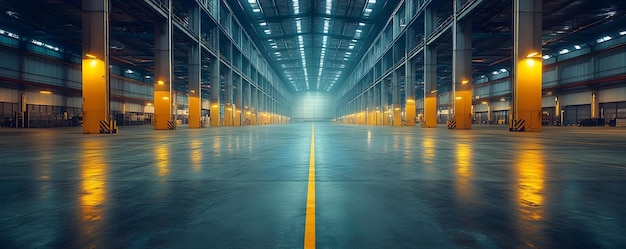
x=462, y=74
x=395, y=100
x=409, y=83
x=527, y=65
x=385, y=116
x=214, y=115
x=384, y=102
x=595, y=105
x=216, y=90
x=409, y=92
x=430, y=72
x=256, y=110
x=397, y=115
x=195, y=65
x=410, y=112
x=248, y=104
x=237, y=116
x=195, y=96
x=163, y=75
x=95, y=65
x=248, y=117
x=228, y=115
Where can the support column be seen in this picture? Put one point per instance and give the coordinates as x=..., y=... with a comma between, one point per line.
x=195, y=74
x=489, y=118
x=216, y=90
x=461, y=73
x=558, y=110
x=384, y=101
x=229, y=109
x=195, y=92
x=255, y=107
x=595, y=105
x=239, y=113
x=527, y=66
x=371, y=112
x=95, y=64
x=409, y=91
x=163, y=119
x=376, y=105
x=248, y=104
x=395, y=99
x=430, y=74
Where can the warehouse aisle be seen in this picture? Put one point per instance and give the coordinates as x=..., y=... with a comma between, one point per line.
x=376, y=187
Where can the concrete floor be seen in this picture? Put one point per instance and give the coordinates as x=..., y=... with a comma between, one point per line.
x=377, y=187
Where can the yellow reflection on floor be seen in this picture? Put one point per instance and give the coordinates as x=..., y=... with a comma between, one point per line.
x=428, y=144
x=93, y=181
x=530, y=175
x=196, y=154
x=162, y=155
x=217, y=145
x=463, y=171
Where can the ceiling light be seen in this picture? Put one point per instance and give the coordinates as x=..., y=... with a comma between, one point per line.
x=603, y=39
x=361, y=24
x=545, y=57
x=577, y=47
x=263, y=23
x=296, y=7
x=129, y=71
x=251, y=1
x=372, y=1
x=329, y=6
x=622, y=32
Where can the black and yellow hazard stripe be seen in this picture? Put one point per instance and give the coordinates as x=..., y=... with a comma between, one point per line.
x=452, y=124
x=171, y=125
x=104, y=126
x=518, y=125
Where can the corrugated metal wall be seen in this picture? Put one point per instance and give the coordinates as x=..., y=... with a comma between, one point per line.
x=576, y=72
x=612, y=95
x=9, y=64
x=612, y=64
x=580, y=98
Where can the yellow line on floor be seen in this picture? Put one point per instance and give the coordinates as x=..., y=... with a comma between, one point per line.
x=309, y=226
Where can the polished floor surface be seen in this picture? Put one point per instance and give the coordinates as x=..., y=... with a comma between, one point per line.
x=376, y=187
